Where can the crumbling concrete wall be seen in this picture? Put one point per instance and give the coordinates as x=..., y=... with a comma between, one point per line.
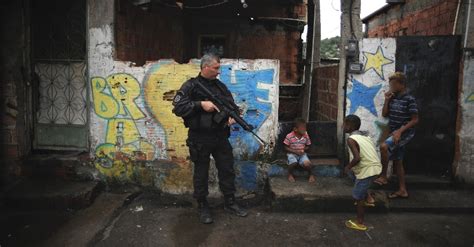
x=136, y=138
x=465, y=160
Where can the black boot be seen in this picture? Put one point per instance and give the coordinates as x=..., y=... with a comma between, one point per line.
x=231, y=206
x=204, y=212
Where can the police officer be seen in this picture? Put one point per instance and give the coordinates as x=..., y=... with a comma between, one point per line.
x=208, y=135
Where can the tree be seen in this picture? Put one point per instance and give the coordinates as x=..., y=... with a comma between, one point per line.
x=330, y=47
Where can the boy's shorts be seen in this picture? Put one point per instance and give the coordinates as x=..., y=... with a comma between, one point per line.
x=397, y=151
x=297, y=159
x=361, y=186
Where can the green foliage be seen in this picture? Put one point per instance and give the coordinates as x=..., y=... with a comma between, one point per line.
x=330, y=47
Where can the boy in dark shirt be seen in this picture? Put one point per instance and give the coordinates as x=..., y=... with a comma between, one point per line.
x=401, y=110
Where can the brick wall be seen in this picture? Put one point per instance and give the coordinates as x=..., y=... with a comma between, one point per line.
x=164, y=32
x=415, y=18
x=283, y=45
x=324, y=93
x=148, y=35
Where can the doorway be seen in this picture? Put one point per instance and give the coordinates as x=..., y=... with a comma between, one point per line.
x=60, y=90
x=431, y=64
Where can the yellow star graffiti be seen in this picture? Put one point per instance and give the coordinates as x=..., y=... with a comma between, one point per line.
x=470, y=98
x=376, y=61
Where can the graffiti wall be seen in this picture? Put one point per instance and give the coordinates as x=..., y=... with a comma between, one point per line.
x=365, y=91
x=133, y=120
x=465, y=164
x=136, y=137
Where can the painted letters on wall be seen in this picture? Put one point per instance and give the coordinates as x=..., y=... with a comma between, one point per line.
x=133, y=121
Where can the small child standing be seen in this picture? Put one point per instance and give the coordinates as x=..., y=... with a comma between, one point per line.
x=296, y=144
x=364, y=167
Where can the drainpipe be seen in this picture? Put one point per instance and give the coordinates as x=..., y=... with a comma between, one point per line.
x=468, y=20
x=456, y=18
x=312, y=55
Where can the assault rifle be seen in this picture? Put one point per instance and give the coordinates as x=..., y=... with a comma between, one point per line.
x=229, y=109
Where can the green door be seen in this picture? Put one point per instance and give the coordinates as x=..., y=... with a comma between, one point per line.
x=59, y=61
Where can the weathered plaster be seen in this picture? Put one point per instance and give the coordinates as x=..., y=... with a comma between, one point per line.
x=465, y=163
x=134, y=135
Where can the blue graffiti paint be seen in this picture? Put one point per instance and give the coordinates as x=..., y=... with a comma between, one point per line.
x=363, y=96
x=276, y=170
x=246, y=91
x=246, y=175
x=318, y=170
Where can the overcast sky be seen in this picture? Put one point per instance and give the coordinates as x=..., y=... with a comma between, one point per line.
x=331, y=15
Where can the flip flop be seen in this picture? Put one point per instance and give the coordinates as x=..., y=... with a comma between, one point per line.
x=395, y=195
x=378, y=181
x=354, y=225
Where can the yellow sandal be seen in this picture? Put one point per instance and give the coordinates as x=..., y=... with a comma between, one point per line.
x=356, y=226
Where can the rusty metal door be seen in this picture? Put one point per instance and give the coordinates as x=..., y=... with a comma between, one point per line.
x=431, y=64
x=59, y=62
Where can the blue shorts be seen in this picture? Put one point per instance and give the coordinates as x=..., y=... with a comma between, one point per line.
x=361, y=186
x=297, y=159
x=397, y=151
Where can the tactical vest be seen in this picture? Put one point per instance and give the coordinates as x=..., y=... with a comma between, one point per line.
x=206, y=121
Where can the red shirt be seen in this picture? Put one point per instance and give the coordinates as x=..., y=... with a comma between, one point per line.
x=296, y=143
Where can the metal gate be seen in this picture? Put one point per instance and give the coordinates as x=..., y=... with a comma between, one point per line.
x=59, y=61
x=431, y=64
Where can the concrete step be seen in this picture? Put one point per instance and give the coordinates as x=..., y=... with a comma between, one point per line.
x=435, y=201
x=66, y=166
x=326, y=195
x=322, y=167
x=335, y=195
x=421, y=182
x=51, y=194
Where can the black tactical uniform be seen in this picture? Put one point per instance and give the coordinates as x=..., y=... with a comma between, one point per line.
x=206, y=136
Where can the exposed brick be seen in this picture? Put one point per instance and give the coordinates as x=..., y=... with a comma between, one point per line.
x=435, y=20
x=326, y=79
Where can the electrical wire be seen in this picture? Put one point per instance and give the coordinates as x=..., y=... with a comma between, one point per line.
x=468, y=22
x=350, y=19
x=206, y=6
x=193, y=7
x=332, y=6
x=456, y=18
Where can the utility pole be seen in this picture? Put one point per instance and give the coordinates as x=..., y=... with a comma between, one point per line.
x=351, y=29
x=313, y=57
